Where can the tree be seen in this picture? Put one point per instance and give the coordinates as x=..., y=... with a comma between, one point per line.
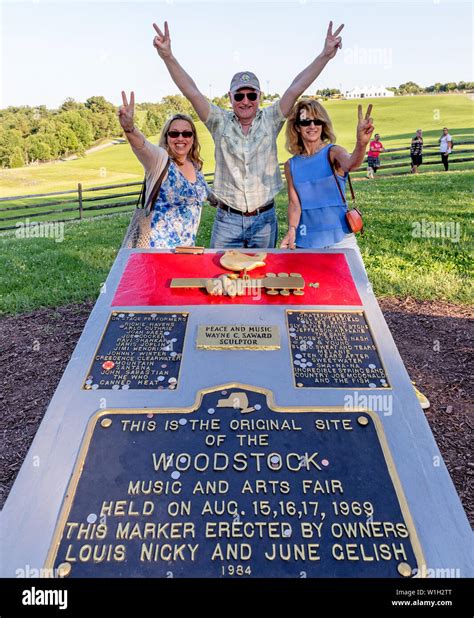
x=409, y=88
x=19, y=118
x=71, y=104
x=177, y=104
x=17, y=158
x=81, y=127
x=37, y=149
x=149, y=125
x=104, y=117
x=10, y=142
x=99, y=104
x=327, y=92
x=223, y=101
x=68, y=142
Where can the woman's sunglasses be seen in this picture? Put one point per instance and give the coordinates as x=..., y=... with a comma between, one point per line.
x=178, y=133
x=308, y=121
x=240, y=96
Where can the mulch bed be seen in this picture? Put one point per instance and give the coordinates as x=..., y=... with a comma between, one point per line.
x=434, y=339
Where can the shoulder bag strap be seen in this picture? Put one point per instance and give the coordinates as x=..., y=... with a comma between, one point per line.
x=154, y=192
x=343, y=197
x=141, y=196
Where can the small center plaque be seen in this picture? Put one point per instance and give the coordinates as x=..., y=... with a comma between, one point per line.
x=334, y=349
x=238, y=337
x=235, y=487
x=139, y=350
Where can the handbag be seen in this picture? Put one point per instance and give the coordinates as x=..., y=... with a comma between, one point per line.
x=353, y=215
x=138, y=234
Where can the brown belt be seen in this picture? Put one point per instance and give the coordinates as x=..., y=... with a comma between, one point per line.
x=254, y=213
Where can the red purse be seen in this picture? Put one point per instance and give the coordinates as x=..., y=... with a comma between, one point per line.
x=353, y=215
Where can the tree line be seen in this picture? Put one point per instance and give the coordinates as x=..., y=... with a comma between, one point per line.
x=411, y=88
x=37, y=134
x=29, y=134
x=157, y=113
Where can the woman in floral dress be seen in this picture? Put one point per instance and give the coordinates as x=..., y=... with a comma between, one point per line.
x=177, y=209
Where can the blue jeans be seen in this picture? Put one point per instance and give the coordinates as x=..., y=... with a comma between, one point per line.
x=231, y=230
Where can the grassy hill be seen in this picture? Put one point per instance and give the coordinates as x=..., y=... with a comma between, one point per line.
x=396, y=119
x=40, y=272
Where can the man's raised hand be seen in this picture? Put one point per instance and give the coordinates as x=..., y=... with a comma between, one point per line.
x=162, y=41
x=365, y=126
x=126, y=112
x=333, y=41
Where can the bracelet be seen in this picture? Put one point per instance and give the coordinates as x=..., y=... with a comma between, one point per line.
x=290, y=226
x=129, y=130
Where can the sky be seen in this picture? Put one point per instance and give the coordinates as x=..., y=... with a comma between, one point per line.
x=51, y=50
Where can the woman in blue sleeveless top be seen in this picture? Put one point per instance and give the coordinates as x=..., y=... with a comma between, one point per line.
x=316, y=210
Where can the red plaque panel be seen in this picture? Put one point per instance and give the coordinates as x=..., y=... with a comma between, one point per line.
x=147, y=277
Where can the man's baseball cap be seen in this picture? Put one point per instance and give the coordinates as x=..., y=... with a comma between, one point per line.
x=245, y=79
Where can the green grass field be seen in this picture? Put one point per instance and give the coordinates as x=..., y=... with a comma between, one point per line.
x=396, y=119
x=42, y=273
x=117, y=164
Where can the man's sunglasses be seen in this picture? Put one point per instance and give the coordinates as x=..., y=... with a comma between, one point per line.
x=305, y=122
x=178, y=133
x=240, y=96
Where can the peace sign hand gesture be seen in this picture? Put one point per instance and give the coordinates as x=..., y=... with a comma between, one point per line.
x=333, y=42
x=365, y=126
x=126, y=112
x=162, y=42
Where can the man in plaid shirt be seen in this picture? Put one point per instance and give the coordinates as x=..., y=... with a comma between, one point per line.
x=247, y=177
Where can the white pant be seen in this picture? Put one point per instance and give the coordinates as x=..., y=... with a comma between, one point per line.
x=349, y=242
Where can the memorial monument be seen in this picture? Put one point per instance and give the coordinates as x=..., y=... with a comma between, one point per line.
x=242, y=419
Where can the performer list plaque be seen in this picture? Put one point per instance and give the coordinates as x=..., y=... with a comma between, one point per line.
x=139, y=350
x=334, y=349
x=235, y=488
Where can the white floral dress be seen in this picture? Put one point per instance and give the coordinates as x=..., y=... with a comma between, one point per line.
x=177, y=210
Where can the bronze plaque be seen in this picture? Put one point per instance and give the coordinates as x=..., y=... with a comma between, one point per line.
x=238, y=337
x=139, y=350
x=235, y=486
x=334, y=349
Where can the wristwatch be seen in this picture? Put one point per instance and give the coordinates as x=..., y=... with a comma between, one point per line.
x=129, y=130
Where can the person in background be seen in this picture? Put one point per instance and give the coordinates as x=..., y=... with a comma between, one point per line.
x=416, y=151
x=445, y=147
x=316, y=177
x=373, y=160
x=247, y=176
x=177, y=209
